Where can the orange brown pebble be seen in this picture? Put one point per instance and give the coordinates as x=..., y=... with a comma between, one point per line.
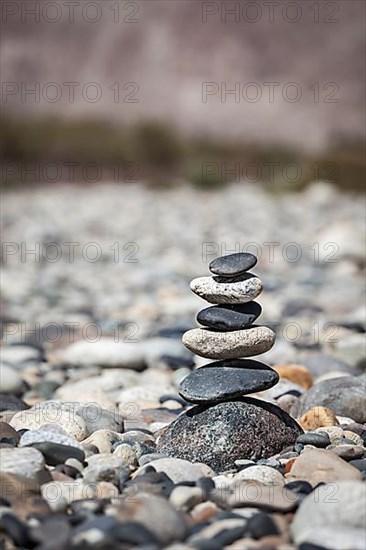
x=298, y=374
x=318, y=417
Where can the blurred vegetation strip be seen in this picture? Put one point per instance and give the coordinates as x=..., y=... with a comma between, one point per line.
x=51, y=150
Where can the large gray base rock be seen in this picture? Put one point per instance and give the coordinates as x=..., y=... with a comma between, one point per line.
x=220, y=434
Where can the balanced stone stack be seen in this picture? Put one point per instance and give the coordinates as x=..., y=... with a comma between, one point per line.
x=225, y=426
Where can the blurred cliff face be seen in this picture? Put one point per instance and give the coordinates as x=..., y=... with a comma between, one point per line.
x=284, y=72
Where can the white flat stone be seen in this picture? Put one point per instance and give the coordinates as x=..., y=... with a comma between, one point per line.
x=229, y=345
x=216, y=292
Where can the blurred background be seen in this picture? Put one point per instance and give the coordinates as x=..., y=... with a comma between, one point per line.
x=161, y=87
x=159, y=134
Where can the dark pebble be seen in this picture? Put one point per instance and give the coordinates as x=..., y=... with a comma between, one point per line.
x=8, y=435
x=207, y=544
x=228, y=536
x=133, y=533
x=54, y=532
x=220, y=434
x=227, y=317
x=207, y=485
x=15, y=529
x=55, y=453
x=300, y=487
x=317, y=439
x=232, y=264
x=261, y=525
x=105, y=524
x=223, y=380
x=123, y=476
x=359, y=463
x=295, y=393
x=12, y=403
x=157, y=483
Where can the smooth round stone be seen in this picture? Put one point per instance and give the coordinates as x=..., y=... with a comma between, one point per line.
x=50, y=413
x=345, y=396
x=50, y=433
x=321, y=466
x=264, y=474
x=229, y=317
x=220, y=290
x=219, y=435
x=26, y=462
x=104, y=467
x=224, y=380
x=10, y=381
x=348, y=452
x=229, y=345
x=97, y=418
x=232, y=264
x=105, y=352
x=177, y=470
x=332, y=516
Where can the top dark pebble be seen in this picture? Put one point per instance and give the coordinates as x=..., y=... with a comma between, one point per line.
x=232, y=264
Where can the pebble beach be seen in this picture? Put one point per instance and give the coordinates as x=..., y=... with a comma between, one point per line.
x=115, y=433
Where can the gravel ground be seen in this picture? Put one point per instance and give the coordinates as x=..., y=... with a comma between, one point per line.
x=92, y=358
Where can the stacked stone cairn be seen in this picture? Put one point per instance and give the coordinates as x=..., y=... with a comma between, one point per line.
x=225, y=426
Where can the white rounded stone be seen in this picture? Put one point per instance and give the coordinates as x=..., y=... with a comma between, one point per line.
x=50, y=413
x=238, y=292
x=264, y=474
x=229, y=345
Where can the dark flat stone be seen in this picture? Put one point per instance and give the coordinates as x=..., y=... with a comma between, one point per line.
x=314, y=438
x=223, y=380
x=220, y=434
x=229, y=317
x=55, y=453
x=232, y=264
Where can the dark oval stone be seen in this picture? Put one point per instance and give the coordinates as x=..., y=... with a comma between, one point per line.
x=16, y=529
x=223, y=380
x=207, y=485
x=220, y=434
x=12, y=403
x=300, y=486
x=317, y=439
x=232, y=264
x=227, y=317
x=8, y=435
x=261, y=525
x=55, y=453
